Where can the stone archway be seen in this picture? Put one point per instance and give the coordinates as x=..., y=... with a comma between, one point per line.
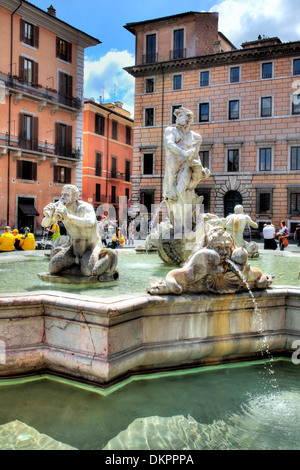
x=241, y=184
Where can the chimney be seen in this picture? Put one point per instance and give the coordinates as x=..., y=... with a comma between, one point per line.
x=52, y=11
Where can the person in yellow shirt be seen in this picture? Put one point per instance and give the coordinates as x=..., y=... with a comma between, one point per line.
x=55, y=231
x=18, y=237
x=27, y=243
x=7, y=240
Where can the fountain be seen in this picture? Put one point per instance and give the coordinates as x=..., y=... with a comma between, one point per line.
x=215, y=309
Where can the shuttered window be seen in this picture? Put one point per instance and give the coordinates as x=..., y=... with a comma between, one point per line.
x=61, y=174
x=29, y=33
x=65, y=89
x=98, y=169
x=28, y=70
x=63, y=50
x=28, y=132
x=99, y=124
x=26, y=170
x=63, y=140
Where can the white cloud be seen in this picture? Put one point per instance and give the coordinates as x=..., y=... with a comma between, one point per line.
x=244, y=20
x=105, y=77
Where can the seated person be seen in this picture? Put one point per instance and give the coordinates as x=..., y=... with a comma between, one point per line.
x=7, y=240
x=18, y=237
x=27, y=242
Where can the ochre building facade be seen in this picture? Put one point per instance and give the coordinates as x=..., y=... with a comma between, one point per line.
x=246, y=105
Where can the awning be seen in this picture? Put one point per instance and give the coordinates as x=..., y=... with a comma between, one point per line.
x=28, y=209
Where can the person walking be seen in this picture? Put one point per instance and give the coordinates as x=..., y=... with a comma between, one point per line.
x=283, y=235
x=7, y=240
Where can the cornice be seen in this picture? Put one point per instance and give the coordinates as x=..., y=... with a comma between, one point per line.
x=216, y=60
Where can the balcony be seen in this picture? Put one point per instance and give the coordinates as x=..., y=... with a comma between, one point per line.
x=38, y=92
x=36, y=147
x=119, y=176
x=178, y=54
x=150, y=58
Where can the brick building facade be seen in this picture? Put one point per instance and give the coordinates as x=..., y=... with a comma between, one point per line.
x=41, y=119
x=108, y=153
x=246, y=105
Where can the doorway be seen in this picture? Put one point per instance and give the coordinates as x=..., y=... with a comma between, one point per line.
x=231, y=199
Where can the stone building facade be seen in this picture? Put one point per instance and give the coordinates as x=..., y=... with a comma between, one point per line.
x=246, y=105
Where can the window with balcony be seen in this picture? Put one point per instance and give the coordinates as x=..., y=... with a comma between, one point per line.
x=266, y=106
x=204, y=78
x=203, y=112
x=234, y=109
x=295, y=158
x=150, y=48
x=267, y=70
x=65, y=89
x=63, y=50
x=26, y=170
x=233, y=160
x=29, y=34
x=114, y=130
x=61, y=174
x=178, y=50
x=99, y=124
x=28, y=71
x=98, y=164
x=265, y=159
x=63, y=140
x=28, y=132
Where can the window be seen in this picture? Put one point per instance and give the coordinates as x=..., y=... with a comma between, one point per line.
x=177, y=82
x=127, y=193
x=99, y=124
x=148, y=164
x=28, y=132
x=233, y=160
x=114, y=130
x=63, y=140
x=28, y=70
x=150, y=48
x=204, y=78
x=61, y=174
x=113, y=167
x=234, y=74
x=128, y=135
x=266, y=106
x=295, y=158
x=29, y=34
x=178, y=52
x=173, y=118
x=149, y=85
x=296, y=104
x=295, y=203
x=267, y=70
x=234, y=109
x=127, y=170
x=203, y=112
x=113, y=194
x=98, y=192
x=296, y=67
x=98, y=164
x=264, y=203
x=65, y=89
x=265, y=155
x=63, y=50
x=26, y=170
x=149, y=117
x=204, y=157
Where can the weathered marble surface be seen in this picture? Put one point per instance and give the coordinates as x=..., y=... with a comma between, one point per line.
x=101, y=341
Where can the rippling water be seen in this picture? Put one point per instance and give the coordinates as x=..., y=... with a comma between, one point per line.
x=234, y=407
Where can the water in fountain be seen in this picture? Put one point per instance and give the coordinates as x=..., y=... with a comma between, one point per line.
x=264, y=347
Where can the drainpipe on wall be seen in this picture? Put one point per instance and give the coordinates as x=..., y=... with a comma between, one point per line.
x=107, y=156
x=9, y=109
x=162, y=134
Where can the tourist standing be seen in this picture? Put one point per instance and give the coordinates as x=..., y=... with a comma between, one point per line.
x=7, y=240
x=269, y=237
x=283, y=235
x=297, y=235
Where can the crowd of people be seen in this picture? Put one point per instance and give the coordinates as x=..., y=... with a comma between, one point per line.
x=115, y=236
x=270, y=240
x=12, y=240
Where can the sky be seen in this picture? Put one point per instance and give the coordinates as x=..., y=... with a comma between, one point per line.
x=239, y=20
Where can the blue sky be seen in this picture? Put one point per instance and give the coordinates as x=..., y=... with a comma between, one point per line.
x=239, y=20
